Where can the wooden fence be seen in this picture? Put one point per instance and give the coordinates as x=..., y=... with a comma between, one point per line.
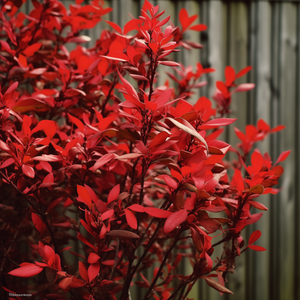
x=265, y=35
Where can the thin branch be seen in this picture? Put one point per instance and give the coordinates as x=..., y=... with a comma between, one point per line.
x=148, y=294
x=35, y=208
x=116, y=260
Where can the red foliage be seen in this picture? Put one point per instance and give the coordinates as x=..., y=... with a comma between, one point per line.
x=117, y=173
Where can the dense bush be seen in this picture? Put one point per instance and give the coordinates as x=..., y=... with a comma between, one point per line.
x=128, y=172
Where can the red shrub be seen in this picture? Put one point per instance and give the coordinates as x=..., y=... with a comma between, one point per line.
x=80, y=164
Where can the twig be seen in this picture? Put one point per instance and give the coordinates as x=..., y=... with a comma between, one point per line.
x=116, y=260
x=148, y=294
x=36, y=209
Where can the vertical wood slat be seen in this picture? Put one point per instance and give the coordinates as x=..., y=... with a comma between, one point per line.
x=297, y=163
x=287, y=99
x=274, y=258
x=260, y=278
x=237, y=58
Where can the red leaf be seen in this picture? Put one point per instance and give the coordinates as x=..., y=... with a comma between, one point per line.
x=169, y=63
x=93, y=271
x=254, y=218
x=237, y=181
x=131, y=91
x=229, y=75
x=217, y=122
x=262, y=125
x=123, y=234
x=170, y=182
x=243, y=72
x=131, y=219
x=27, y=270
x=258, y=205
x=29, y=51
x=65, y=282
x=257, y=248
x=93, y=258
x=174, y=220
x=137, y=208
x=83, y=272
x=257, y=162
x=283, y=156
x=77, y=122
x=38, y=223
x=199, y=27
x=277, y=128
x=245, y=87
x=158, y=139
x=129, y=156
x=157, y=213
x=76, y=283
x=132, y=25
x=185, y=20
x=117, y=55
x=215, y=285
x=115, y=26
x=223, y=88
x=84, y=240
x=79, y=39
x=84, y=195
x=163, y=98
x=102, y=161
x=12, y=87
x=28, y=171
x=254, y=236
x=113, y=194
x=48, y=126
x=108, y=214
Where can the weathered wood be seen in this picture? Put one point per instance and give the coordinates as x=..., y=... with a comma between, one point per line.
x=287, y=100
x=260, y=278
x=237, y=58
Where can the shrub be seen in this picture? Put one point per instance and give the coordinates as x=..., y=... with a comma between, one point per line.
x=129, y=173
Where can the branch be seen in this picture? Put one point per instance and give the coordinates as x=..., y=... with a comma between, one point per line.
x=148, y=294
x=35, y=208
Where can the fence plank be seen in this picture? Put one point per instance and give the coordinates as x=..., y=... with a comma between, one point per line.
x=237, y=58
x=297, y=166
x=287, y=99
x=260, y=278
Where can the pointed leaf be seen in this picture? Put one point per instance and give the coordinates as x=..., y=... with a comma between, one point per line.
x=257, y=248
x=93, y=271
x=243, y=72
x=245, y=87
x=174, y=220
x=77, y=122
x=27, y=270
x=190, y=131
x=217, y=286
x=254, y=236
x=115, y=26
x=229, y=75
x=217, y=122
x=123, y=234
x=131, y=219
x=83, y=272
x=157, y=213
x=84, y=195
x=199, y=27
x=93, y=258
x=283, y=156
x=113, y=194
x=28, y=171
